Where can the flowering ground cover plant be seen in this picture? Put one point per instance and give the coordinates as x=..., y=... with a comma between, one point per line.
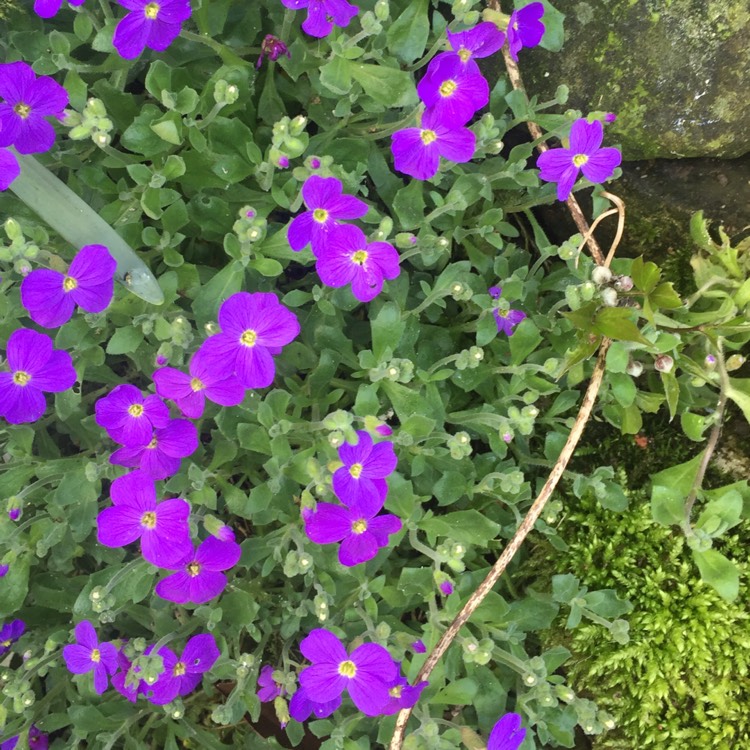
x=312, y=357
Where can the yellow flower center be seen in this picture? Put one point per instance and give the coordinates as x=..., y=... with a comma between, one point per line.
x=248, y=338
x=148, y=519
x=427, y=136
x=320, y=215
x=135, y=410
x=515, y=26
x=193, y=569
x=22, y=110
x=395, y=692
x=152, y=444
x=359, y=526
x=151, y=11
x=355, y=470
x=6, y=644
x=96, y=655
x=347, y=668
x=179, y=669
x=447, y=88
x=464, y=54
x=580, y=159
x=21, y=378
x=196, y=384
x=69, y=284
x=359, y=257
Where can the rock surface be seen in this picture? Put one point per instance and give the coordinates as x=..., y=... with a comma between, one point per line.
x=676, y=73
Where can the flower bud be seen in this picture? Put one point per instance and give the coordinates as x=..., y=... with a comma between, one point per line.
x=382, y=10
x=663, y=363
x=634, y=369
x=601, y=275
x=623, y=284
x=609, y=297
x=735, y=362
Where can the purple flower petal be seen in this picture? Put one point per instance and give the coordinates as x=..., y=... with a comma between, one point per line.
x=200, y=654
x=601, y=165
x=135, y=488
x=42, y=294
x=169, y=540
x=9, y=169
x=321, y=645
x=77, y=658
x=131, y=35
x=213, y=554
x=323, y=681
x=119, y=525
x=506, y=734
x=357, y=548
x=329, y=523
x=255, y=367
x=586, y=137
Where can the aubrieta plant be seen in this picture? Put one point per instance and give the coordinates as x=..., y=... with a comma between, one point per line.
x=312, y=357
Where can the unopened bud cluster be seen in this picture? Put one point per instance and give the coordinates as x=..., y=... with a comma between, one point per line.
x=249, y=230
x=92, y=123
x=397, y=370
x=289, y=140
x=20, y=251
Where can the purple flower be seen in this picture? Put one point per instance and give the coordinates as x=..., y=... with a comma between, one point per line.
x=314, y=162
x=162, y=527
x=35, y=367
x=417, y=151
x=360, y=482
x=51, y=296
x=418, y=647
x=38, y=740
x=49, y=8
x=481, y=41
x=161, y=457
x=495, y=292
x=14, y=514
x=610, y=117
x=367, y=673
x=130, y=418
x=507, y=320
x=349, y=259
x=301, y=707
x=561, y=165
x=28, y=101
x=252, y=326
x=268, y=688
x=402, y=695
x=199, y=578
x=506, y=734
x=190, y=392
x=323, y=14
x=149, y=24
x=323, y=197
x=360, y=530
x=451, y=92
x=9, y=168
x=4, y=570
x=182, y=674
x=126, y=682
x=88, y=654
x=446, y=588
x=10, y=633
x=273, y=48
x=384, y=430
x=160, y=360
x=224, y=534
x=525, y=28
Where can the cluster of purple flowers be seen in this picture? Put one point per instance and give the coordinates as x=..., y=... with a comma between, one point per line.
x=369, y=674
x=322, y=15
x=179, y=675
x=28, y=100
x=343, y=254
x=360, y=484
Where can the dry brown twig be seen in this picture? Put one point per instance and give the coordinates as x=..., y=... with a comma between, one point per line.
x=573, y=437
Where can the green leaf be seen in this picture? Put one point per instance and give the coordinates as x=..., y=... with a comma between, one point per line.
x=669, y=490
x=387, y=329
x=451, y=486
x=671, y=391
x=524, y=341
x=407, y=35
x=617, y=323
x=665, y=296
x=458, y=693
x=15, y=587
x=645, y=275
x=721, y=513
x=739, y=392
x=618, y=357
x=125, y=340
x=227, y=282
x=623, y=388
x=465, y=526
x=388, y=86
x=336, y=76
x=409, y=205
x=693, y=425
x=719, y=572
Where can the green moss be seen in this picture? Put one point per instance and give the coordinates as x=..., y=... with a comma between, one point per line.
x=683, y=680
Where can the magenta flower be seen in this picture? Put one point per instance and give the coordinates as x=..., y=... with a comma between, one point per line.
x=384, y=430
x=161, y=457
x=506, y=734
x=9, y=634
x=507, y=320
x=349, y=259
x=38, y=740
x=482, y=40
x=323, y=197
x=162, y=527
x=273, y=48
x=268, y=688
x=50, y=8
x=149, y=24
x=525, y=28
x=199, y=578
x=126, y=682
x=446, y=588
x=361, y=532
x=323, y=14
x=301, y=707
x=4, y=570
x=182, y=674
x=89, y=655
x=28, y=101
x=130, y=418
x=252, y=326
x=366, y=673
x=50, y=296
x=360, y=482
x=402, y=695
x=190, y=392
x=561, y=165
x=418, y=647
x=9, y=168
x=35, y=367
x=452, y=92
x=417, y=151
